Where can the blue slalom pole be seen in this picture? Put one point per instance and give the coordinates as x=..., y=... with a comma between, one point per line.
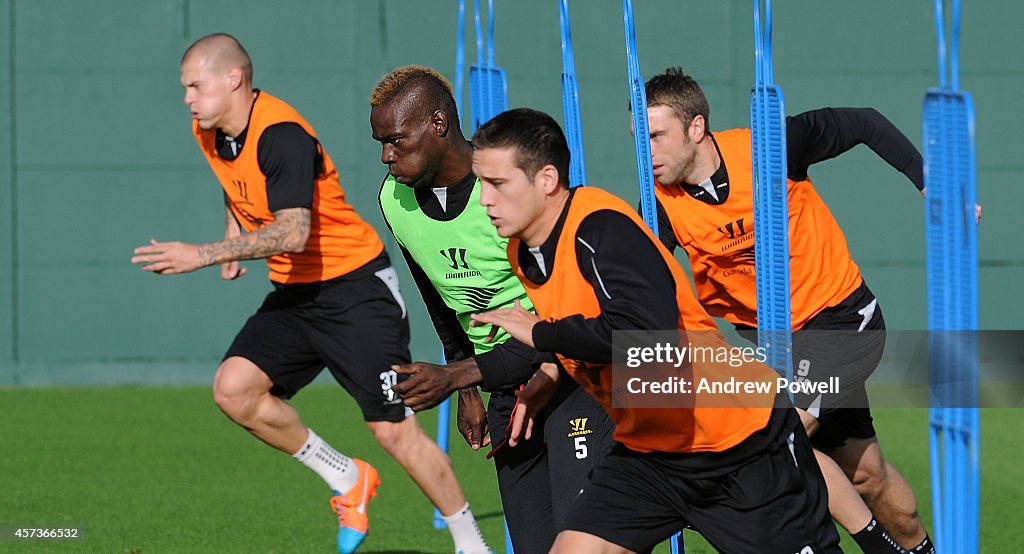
x=771, y=202
x=443, y=417
x=444, y=409
x=571, y=101
x=641, y=136
x=488, y=85
x=642, y=145
x=952, y=267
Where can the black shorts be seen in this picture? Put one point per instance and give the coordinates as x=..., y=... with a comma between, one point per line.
x=539, y=479
x=772, y=502
x=836, y=426
x=354, y=325
x=845, y=343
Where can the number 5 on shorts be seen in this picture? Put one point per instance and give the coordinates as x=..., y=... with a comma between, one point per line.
x=581, y=448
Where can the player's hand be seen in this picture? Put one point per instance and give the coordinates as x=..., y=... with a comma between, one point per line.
x=229, y=271
x=472, y=418
x=427, y=386
x=534, y=396
x=168, y=258
x=515, y=320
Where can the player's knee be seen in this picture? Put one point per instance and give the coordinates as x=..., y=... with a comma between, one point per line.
x=234, y=390
x=228, y=403
x=394, y=437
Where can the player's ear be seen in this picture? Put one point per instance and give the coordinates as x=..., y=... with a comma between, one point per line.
x=439, y=121
x=235, y=77
x=548, y=178
x=698, y=128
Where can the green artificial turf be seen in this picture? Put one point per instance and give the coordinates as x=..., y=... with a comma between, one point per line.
x=148, y=470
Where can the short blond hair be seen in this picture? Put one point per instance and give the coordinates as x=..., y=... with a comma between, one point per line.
x=406, y=77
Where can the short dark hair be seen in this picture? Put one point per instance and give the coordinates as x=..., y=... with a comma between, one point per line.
x=680, y=92
x=537, y=138
x=226, y=50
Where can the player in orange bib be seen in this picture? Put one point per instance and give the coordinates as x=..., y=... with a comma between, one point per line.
x=705, y=204
x=335, y=302
x=741, y=472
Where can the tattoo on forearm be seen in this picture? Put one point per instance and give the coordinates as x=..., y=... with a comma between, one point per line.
x=287, y=233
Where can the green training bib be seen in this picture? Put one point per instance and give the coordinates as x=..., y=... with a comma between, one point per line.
x=464, y=258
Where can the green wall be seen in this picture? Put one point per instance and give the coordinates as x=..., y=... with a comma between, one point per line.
x=96, y=155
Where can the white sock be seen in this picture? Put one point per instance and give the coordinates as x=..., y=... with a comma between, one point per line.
x=465, y=532
x=337, y=469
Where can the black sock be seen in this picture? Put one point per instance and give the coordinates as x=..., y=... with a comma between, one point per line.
x=926, y=546
x=874, y=539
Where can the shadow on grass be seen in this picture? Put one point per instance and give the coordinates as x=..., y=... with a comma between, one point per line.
x=399, y=552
